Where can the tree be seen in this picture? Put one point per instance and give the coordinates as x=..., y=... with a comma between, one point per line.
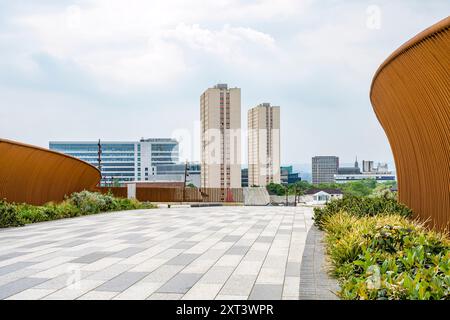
x=276, y=189
x=303, y=186
x=360, y=188
x=300, y=187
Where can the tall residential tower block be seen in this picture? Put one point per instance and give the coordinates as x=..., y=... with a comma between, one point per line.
x=220, y=116
x=264, y=145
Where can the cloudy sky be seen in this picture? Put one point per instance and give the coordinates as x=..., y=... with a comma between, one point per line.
x=122, y=70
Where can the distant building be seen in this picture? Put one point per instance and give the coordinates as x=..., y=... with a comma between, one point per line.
x=220, y=117
x=349, y=170
x=367, y=166
x=156, y=184
x=380, y=173
x=194, y=174
x=382, y=168
x=343, y=178
x=320, y=196
x=244, y=177
x=324, y=168
x=194, y=170
x=288, y=176
x=264, y=145
x=121, y=161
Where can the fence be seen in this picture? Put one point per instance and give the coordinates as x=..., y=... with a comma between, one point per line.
x=180, y=195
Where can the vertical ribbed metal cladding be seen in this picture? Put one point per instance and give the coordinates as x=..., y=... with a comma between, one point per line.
x=29, y=174
x=410, y=95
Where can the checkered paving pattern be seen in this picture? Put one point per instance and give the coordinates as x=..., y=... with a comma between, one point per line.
x=176, y=253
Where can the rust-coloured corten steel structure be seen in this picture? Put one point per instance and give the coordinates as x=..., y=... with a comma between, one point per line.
x=411, y=97
x=177, y=194
x=34, y=175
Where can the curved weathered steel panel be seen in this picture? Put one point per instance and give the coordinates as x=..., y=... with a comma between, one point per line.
x=35, y=175
x=411, y=97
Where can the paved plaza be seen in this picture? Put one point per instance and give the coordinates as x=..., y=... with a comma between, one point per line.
x=176, y=253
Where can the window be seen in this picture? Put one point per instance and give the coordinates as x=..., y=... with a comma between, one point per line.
x=164, y=147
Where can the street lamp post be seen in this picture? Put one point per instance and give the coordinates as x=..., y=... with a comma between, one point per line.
x=99, y=159
x=287, y=192
x=186, y=169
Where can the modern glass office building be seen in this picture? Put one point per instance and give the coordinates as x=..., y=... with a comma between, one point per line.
x=120, y=162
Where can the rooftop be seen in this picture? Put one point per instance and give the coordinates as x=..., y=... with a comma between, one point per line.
x=329, y=191
x=221, y=86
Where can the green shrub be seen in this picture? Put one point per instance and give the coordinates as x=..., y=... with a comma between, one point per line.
x=387, y=257
x=128, y=204
x=31, y=214
x=360, y=206
x=67, y=209
x=92, y=202
x=78, y=204
x=8, y=215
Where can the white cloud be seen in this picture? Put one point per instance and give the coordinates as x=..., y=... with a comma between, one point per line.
x=233, y=45
x=139, y=45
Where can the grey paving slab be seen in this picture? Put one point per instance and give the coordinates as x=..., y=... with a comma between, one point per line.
x=181, y=283
x=122, y=281
x=131, y=236
x=238, y=285
x=11, y=255
x=89, y=234
x=266, y=292
x=14, y=267
x=128, y=252
x=163, y=273
x=183, y=259
x=19, y=286
x=36, y=244
x=265, y=239
x=184, y=245
x=230, y=238
x=239, y=250
x=72, y=243
x=293, y=269
x=176, y=253
x=186, y=234
x=91, y=257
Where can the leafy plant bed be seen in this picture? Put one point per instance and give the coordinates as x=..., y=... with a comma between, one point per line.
x=385, y=255
x=361, y=206
x=78, y=204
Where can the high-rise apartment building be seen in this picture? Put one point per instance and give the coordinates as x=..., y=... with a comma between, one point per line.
x=263, y=145
x=220, y=115
x=324, y=168
x=121, y=161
